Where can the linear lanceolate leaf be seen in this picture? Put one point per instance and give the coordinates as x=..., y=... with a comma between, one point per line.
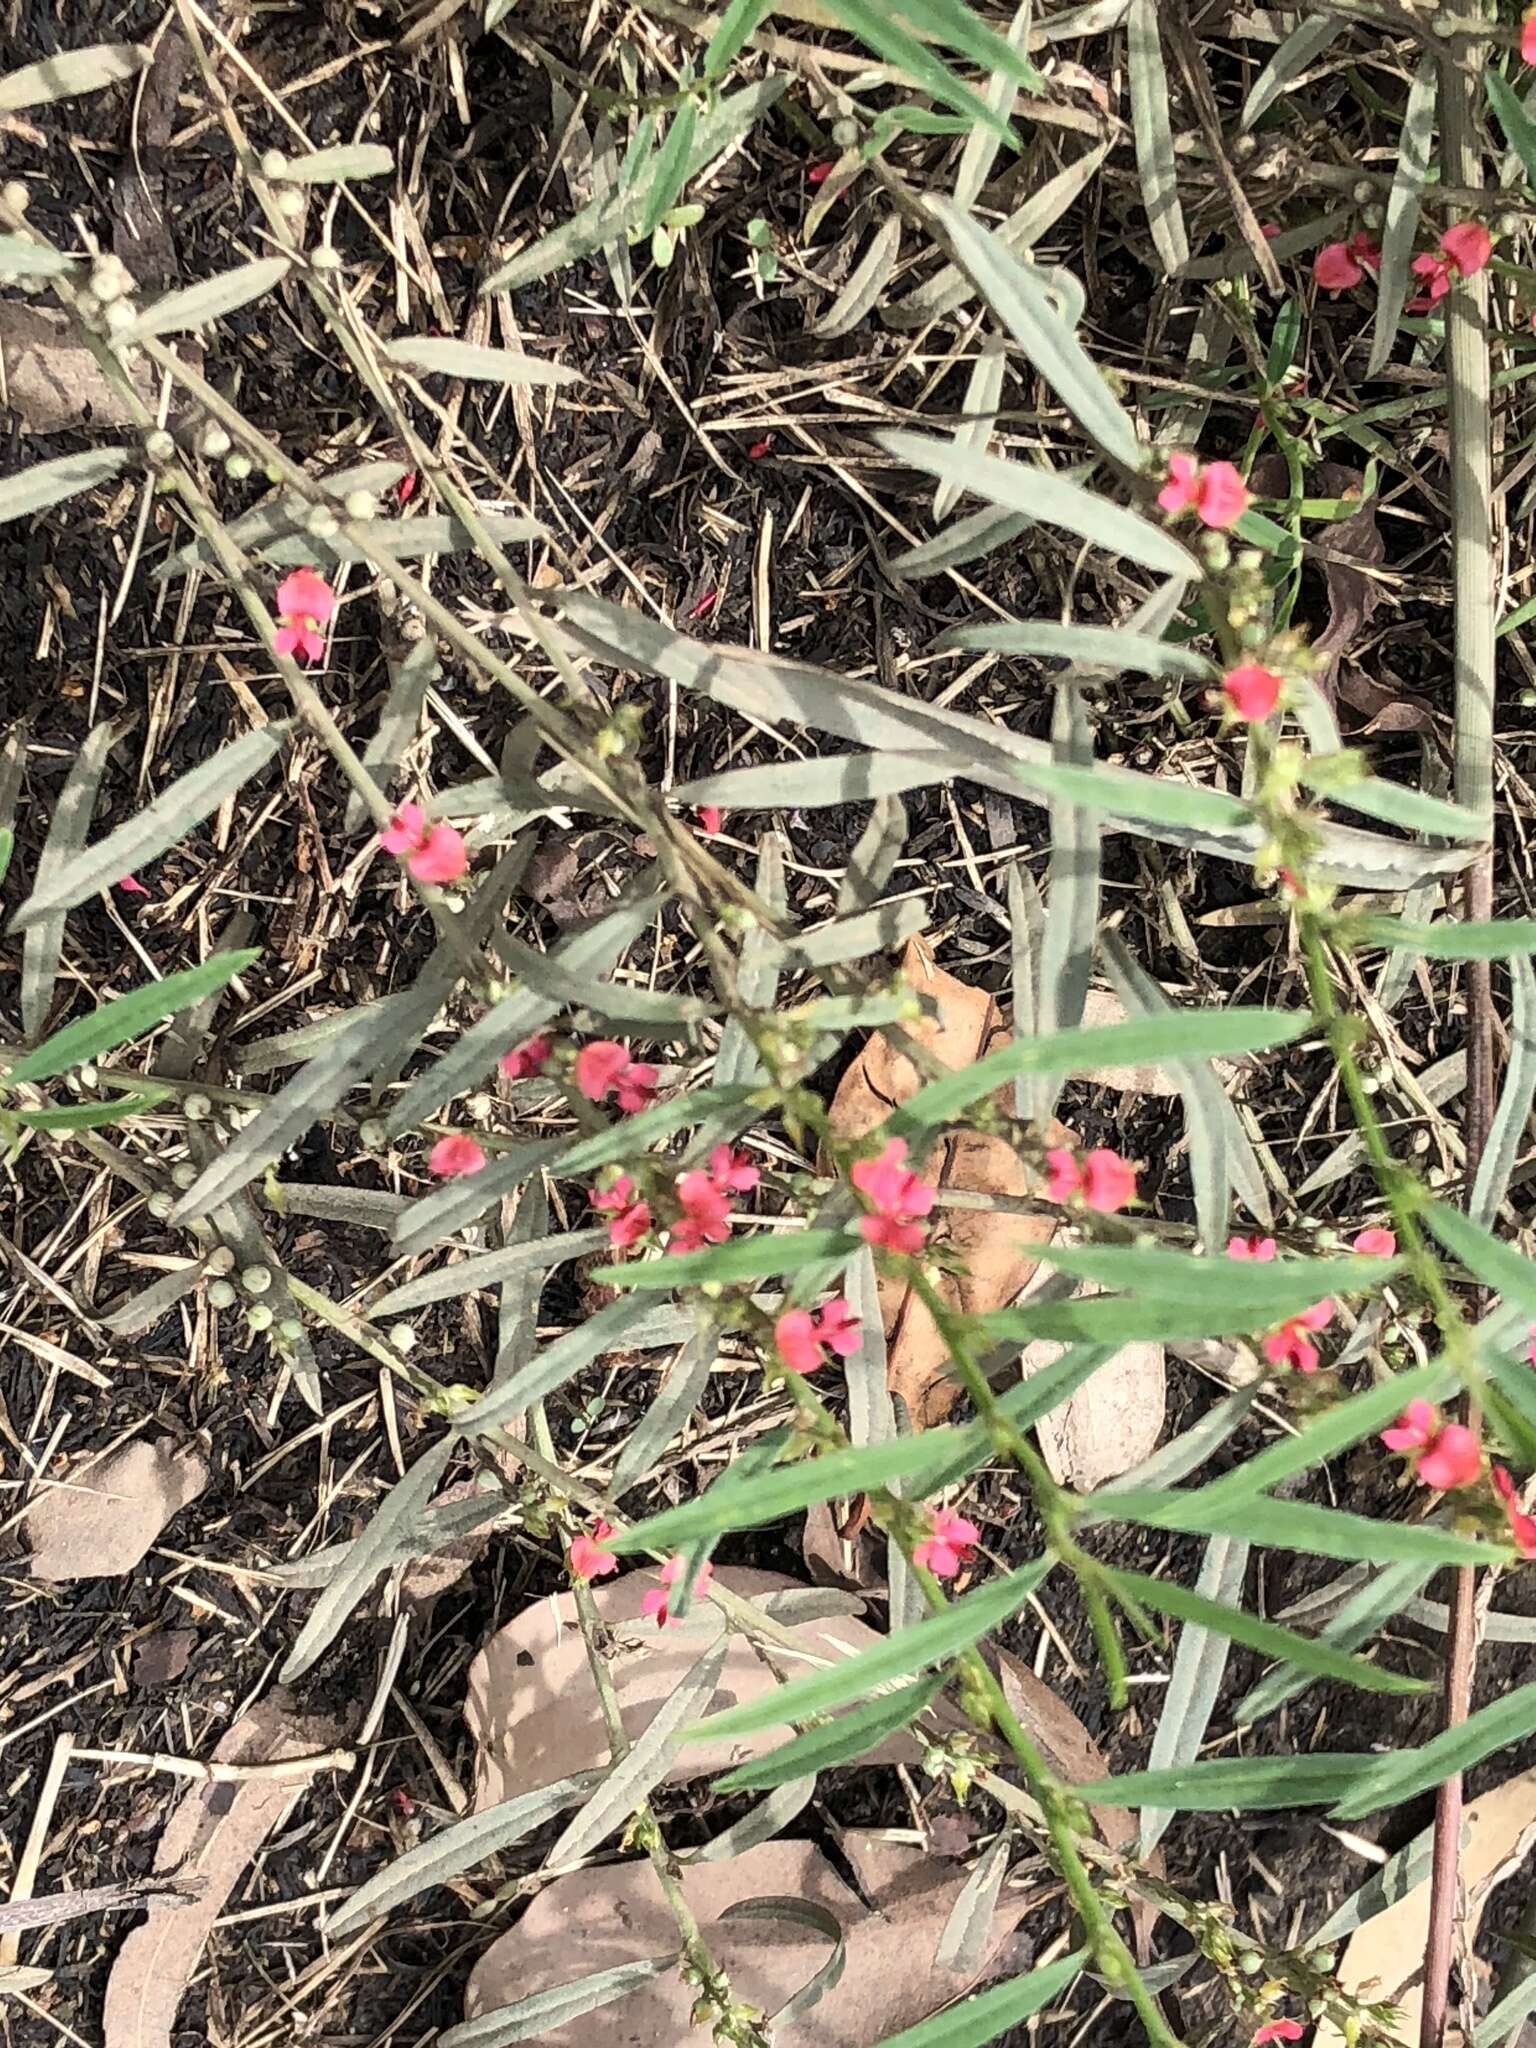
x=488, y=1270
x=198, y=305
x=1303, y=46
x=1153, y=131
x=667, y=1414
x=737, y=1503
x=128, y=1017
x=768, y=1818
x=865, y=286
x=759, y=1257
x=457, y=1848
x=632, y=1323
x=542, y=2012
x=411, y=672
x=1404, y=1774
x=341, y=160
x=190, y=798
x=1506, y=1135
x=458, y=1203
x=69, y=73
x=66, y=835
x=1384, y=1594
x=1415, y=147
x=442, y=355
x=1137, y=799
x=1122, y=653
x=968, y=1932
x=1194, y=1683
x=881, y=29
x=1299, y=1525
x=986, y=2014
x=981, y=145
x=1167, y=1597
x=1238, y=1784
x=983, y=394
x=1519, y=128
x=1068, y=941
x=629, y=1780
x=964, y=540
x=829, y=1743
x=1015, y=294
x=25, y=258
x=934, y=1640
x=803, y=1913
x=1486, y=1257
x=818, y=784
x=46, y=483
x=1393, y=803
x=1272, y=1289
x=1503, y=938
x=91, y=1116
x=1042, y=494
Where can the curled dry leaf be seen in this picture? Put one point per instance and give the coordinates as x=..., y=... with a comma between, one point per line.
x=100, y=1519
x=1498, y=1832
x=211, y=1837
x=533, y=1710
x=995, y=1247
x=577, y=1926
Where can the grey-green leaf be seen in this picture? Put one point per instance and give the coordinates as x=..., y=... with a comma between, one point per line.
x=70, y=73
x=544, y=2011
x=198, y=305
x=1155, y=163
x=46, y=483
x=340, y=161
x=129, y=1017
x=66, y=835
x=441, y=355
x=1415, y=143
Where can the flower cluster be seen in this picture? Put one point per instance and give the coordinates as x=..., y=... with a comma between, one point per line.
x=1463, y=251
x=1447, y=1457
x=1101, y=1180
x=1213, y=491
x=704, y=1197
x=604, y=1068
x=802, y=1339
x=898, y=1199
x=432, y=853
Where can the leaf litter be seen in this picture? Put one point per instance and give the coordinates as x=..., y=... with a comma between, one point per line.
x=102, y=1519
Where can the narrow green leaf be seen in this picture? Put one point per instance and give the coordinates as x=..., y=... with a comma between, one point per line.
x=670, y=171
x=1393, y=803
x=1121, y=653
x=1272, y=1289
x=66, y=835
x=840, y=1741
x=978, y=534
x=1137, y=799
x=768, y=1818
x=488, y=1270
x=738, y=24
x=1504, y=938
x=1021, y=302
x=129, y=1017
x=746, y=1258
x=883, y=32
x=70, y=73
x=737, y=1503
x=543, y=2012
x=1299, y=1525
x=91, y=1116
x=670, y=1408
x=987, y=2014
x=1167, y=1597
x=1510, y=110
x=866, y=285
x=1392, y=1779
x=1506, y=1135
x=340, y=161
x=1384, y=1594
x=1194, y=1683
x=441, y=355
x=1414, y=150
x=1302, y=47
x=1234, y=1784
x=46, y=483
x=934, y=1640
x=197, y=306
x=141, y=838
x=1485, y=1257
x=1153, y=131
x=632, y=1324
x=1041, y=494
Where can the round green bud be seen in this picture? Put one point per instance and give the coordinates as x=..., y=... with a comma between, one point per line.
x=220, y=1294
x=373, y=1133
x=221, y=1259
x=258, y=1316
x=290, y=1329
x=289, y=203
x=403, y=1339
x=361, y=505
x=274, y=164
x=324, y=258
x=213, y=441
x=159, y=446
x=160, y=1205
x=256, y=1279
x=183, y=1173
x=196, y=1107
x=237, y=467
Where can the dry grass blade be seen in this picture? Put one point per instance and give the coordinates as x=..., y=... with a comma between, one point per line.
x=1154, y=136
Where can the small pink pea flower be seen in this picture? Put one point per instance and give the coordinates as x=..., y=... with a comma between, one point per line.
x=1213, y=491
x=1528, y=37
x=818, y=174
x=1291, y=1344
x=1252, y=690
x=898, y=1198
x=1414, y=1429
x=1103, y=1181
x=454, y=1156
x=527, y=1059
x=655, y=1601
x=631, y=1216
x=605, y=1068
x=951, y=1542
x=132, y=886
x=587, y=1558
x=1452, y=1458
x=1338, y=266
x=706, y=1217
x=732, y=1172
x=1262, y=1249
x=1375, y=1243
x=1278, y=2030
x=1522, y=1527
x=800, y=1338
x=305, y=601
x=1464, y=251
x=432, y=853
x=710, y=817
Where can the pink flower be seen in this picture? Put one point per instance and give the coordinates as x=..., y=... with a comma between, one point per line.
x=1278, y=2030
x=1414, y=1429
x=455, y=1155
x=818, y=174
x=1104, y=1181
x=432, y=853
x=1522, y=1527
x=527, y=1059
x=1338, y=266
x=1252, y=690
x=1464, y=251
x=631, y=1216
x=800, y=1338
x=706, y=603
x=709, y=817
x=587, y=1558
x=1291, y=1344
x=655, y=1601
x=1261, y=1248
x=898, y=1198
x=760, y=448
x=706, y=1217
x=605, y=1067
x=1213, y=491
x=732, y=1172
x=1375, y=1244
x=1451, y=1459
x=304, y=602
x=951, y=1542
x=132, y=886
x=1528, y=38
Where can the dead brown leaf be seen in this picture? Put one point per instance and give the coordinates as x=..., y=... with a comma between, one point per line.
x=1114, y=1419
x=1498, y=1832
x=533, y=1710
x=212, y=1836
x=890, y=1982
x=53, y=382
x=845, y=1552
x=1353, y=594
x=100, y=1519
x=994, y=1247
